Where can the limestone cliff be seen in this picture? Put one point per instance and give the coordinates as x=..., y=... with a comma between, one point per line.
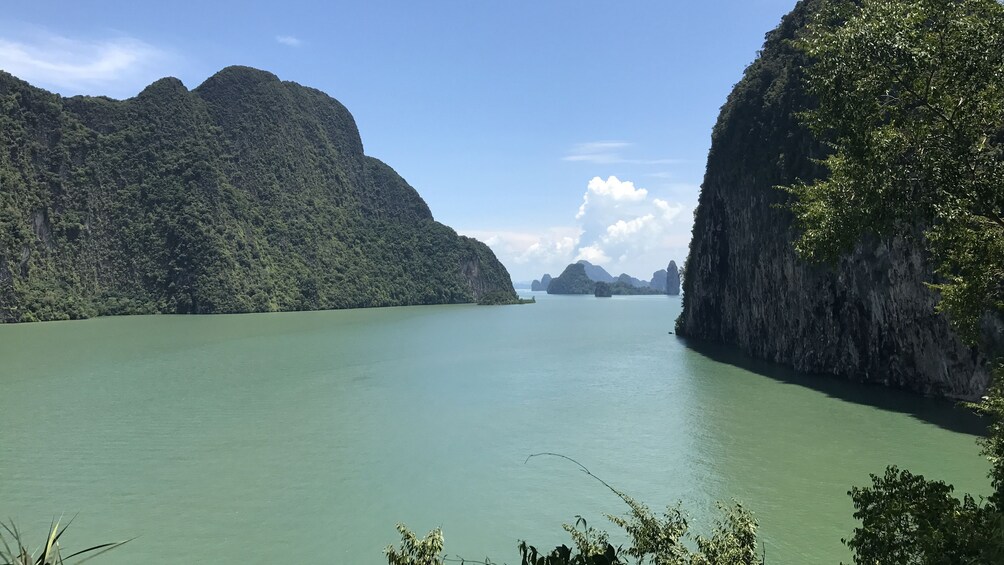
x=542, y=284
x=246, y=194
x=573, y=280
x=672, y=279
x=869, y=318
x=658, y=281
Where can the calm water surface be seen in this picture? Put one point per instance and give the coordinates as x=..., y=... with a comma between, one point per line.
x=306, y=436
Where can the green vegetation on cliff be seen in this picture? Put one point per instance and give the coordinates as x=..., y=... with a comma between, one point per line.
x=919, y=140
x=622, y=288
x=911, y=98
x=603, y=290
x=572, y=280
x=246, y=194
x=746, y=286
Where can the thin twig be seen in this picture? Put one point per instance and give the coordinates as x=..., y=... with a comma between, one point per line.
x=582, y=468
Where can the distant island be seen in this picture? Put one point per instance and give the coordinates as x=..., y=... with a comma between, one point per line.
x=583, y=277
x=246, y=194
x=673, y=276
x=572, y=280
x=542, y=284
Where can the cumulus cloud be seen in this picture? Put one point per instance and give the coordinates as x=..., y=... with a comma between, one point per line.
x=622, y=230
x=618, y=225
x=593, y=254
x=289, y=40
x=625, y=227
x=116, y=66
x=612, y=190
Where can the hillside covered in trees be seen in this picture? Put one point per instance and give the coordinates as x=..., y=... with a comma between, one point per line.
x=246, y=194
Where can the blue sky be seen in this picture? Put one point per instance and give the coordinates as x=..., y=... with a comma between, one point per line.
x=552, y=130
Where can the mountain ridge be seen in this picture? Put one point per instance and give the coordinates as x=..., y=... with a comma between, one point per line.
x=245, y=194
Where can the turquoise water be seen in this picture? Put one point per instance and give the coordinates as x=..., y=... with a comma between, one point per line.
x=306, y=436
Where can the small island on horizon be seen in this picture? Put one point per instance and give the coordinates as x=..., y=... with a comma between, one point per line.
x=583, y=277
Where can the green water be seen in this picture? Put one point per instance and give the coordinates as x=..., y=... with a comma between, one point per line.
x=304, y=437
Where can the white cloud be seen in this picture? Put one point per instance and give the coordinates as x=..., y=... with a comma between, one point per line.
x=548, y=250
x=611, y=189
x=593, y=254
x=669, y=211
x=529, y=254
x=622, y=230
x=600, y=152
x=619, y=226
x=601, y=146
x=112, y=66
x=609, y=153
x=626, y=227
x=289, y=40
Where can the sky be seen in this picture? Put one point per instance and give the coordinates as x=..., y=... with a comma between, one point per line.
x=551, y=130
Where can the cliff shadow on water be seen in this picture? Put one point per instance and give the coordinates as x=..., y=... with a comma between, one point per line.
x=940, y=412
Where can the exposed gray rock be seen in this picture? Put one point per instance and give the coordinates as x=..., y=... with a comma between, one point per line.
x=869, y=318
x=658, y=281
x=596, y=272
x=672, y=279
x=542, y=284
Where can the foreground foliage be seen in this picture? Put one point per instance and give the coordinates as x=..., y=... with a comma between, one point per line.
x=13, y=550
x=654, y=539
x=911, y=98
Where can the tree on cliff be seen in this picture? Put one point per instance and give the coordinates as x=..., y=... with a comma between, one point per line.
x=603, y=290
x=911, y=96
x=911, y=99
x=573, y=280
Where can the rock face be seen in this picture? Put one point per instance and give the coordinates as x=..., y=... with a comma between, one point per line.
x=658, y=281
x=246, y=194
x=672, y=279
x=596, y=272
x=573, y=280
x=869, y=318
x=542, y=284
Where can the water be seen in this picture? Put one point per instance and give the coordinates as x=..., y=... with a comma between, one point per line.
x=303, y=437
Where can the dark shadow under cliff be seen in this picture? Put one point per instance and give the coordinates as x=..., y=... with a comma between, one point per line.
x=940, y=412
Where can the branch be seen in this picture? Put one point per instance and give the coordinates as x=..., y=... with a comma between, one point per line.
x=462, y=561
x=582, y=468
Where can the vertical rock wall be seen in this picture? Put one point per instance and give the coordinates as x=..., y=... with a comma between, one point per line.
x=869, y=318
